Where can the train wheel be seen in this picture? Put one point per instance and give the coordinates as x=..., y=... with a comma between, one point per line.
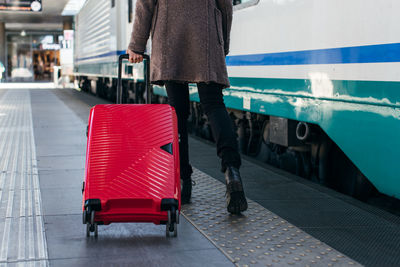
x=265, y=153
x=324, y=161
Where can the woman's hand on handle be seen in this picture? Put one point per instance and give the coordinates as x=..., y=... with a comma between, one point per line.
x=133, y=57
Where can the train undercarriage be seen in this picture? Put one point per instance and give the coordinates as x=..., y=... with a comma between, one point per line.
x=297, y=147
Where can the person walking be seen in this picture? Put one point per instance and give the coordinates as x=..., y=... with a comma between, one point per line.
x=190, y=40
x=2, y=69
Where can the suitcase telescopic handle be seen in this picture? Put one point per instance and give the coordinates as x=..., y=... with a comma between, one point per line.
x=146, y=77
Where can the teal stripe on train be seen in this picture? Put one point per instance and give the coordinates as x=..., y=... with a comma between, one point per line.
x=361, y=117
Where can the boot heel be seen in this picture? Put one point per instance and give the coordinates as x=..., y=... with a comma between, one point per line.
x=237, y=203
x=235, y=197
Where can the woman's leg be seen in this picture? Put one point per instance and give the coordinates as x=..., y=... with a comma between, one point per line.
x=212, y=101
x=178, y=97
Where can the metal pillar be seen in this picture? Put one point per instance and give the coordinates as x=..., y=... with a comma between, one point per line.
x=3, y=56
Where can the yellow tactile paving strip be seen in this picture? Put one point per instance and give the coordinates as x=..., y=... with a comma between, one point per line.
x=258, y=237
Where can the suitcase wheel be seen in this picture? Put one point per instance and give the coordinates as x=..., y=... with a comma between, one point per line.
x=84, y=220
x=86, y=216
x=91, y=226
x=172, y=224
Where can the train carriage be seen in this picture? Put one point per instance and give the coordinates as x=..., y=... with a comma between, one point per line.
x=315, y=84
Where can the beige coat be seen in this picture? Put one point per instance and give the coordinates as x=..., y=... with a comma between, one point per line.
x=190, y=39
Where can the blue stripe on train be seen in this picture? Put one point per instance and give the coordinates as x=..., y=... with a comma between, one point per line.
x=345, y=55
x=357, y=54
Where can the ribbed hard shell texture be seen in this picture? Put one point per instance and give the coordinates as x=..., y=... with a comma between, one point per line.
x=124, y=159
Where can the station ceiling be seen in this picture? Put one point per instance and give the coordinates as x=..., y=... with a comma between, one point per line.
x=50, y=17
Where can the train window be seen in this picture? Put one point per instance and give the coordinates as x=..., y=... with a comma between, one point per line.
x=240, y=4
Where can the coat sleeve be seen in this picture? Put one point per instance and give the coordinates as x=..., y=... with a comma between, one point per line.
x=226, y=8
x=142, y=25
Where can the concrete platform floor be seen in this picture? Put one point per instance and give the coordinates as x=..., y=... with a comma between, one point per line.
x=56, y=157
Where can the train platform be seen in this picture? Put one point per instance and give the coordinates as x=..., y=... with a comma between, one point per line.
x=290, y=221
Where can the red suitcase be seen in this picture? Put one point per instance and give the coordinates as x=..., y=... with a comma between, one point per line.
x=132, y=164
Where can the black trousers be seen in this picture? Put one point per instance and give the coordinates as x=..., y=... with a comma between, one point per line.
x=211, y=99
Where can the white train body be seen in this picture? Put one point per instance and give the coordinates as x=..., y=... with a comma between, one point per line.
x=102, y=33
x=265, y=26
x=331, y=63
x=272, y=26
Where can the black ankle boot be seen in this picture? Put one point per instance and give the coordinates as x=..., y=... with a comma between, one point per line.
x=186, y=192
x=235, y=198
